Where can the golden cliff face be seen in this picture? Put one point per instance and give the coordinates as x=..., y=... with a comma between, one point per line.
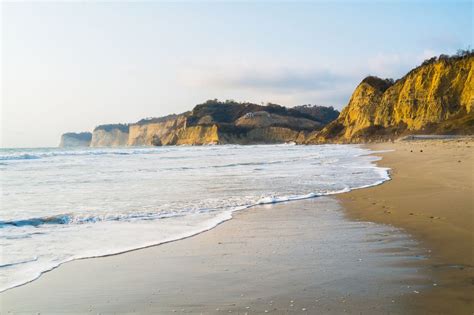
x=425, y=100
x=362, y=109
x=430, y=94
x=259, y=127
x=197, y=135
x=175, y=132
x=161, y=133
x=172, y=132
x=212, y=134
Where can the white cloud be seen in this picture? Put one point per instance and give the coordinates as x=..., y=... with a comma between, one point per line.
x=273, y=81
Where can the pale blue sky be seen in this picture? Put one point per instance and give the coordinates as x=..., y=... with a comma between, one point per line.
x=71, y=66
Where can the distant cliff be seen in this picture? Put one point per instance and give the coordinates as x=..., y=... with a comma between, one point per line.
x=245, y=123
x=434, y=98
x=215, y=122
x=72, y=139
x=156, y=131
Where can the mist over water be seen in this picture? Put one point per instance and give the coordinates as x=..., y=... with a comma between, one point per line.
x=64, y=204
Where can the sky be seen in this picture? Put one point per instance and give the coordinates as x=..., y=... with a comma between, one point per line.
x=70, y=66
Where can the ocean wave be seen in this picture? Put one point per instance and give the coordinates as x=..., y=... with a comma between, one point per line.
x=18, y=262
x=69, y=218
x=23, y=156
x=40, y=155
x=64, y=219
x=27, y=154
x=276, y=199
x=182, y=168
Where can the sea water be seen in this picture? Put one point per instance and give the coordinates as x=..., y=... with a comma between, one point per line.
x=61, y=204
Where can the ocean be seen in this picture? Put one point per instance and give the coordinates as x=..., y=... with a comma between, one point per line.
x=60, y=204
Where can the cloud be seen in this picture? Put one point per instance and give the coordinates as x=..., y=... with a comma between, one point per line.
x=288, y=84
x=268, y=78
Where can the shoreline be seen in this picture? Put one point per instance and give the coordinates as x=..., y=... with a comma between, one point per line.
x=231, y=216
x=430, y=197
x=289, y=257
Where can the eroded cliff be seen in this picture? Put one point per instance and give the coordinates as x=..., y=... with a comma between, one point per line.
x=156, y=133
x=215, y=122
x=436, y=97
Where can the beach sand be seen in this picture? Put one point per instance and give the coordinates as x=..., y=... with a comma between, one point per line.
x=303, y=257
x=293, y=258
x=431, y=197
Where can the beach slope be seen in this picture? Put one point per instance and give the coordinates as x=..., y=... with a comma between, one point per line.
x=431, y=197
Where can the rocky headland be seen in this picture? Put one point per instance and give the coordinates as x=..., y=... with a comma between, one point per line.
x=216, y=122
x=434, y=98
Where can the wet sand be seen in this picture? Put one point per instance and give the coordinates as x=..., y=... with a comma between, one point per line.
x=293, y=258
x=431, y=197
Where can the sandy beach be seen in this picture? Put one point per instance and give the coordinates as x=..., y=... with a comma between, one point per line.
x=431, y=197
x=317, y=256
x=278, y=259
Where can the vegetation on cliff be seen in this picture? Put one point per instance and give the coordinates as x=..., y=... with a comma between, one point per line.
x=322, y=114
x=86, y=136
x=154, y=120
x=110, y=127
x=228, y=112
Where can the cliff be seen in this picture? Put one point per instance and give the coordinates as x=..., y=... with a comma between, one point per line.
x=156, y=131
x=215, y=122
x=112, y=135
x=72, y=139
x=434, y=98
